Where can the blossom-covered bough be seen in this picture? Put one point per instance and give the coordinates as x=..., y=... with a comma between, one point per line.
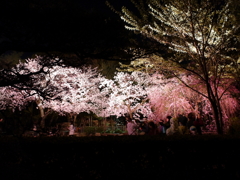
x=14, y=98
x=29, y=76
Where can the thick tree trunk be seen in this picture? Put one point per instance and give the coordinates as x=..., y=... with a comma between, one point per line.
x=216, y=107
x=42, y=122
x=217, y=116
x=43, y=114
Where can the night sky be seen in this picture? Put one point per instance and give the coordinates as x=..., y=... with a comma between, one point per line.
x=60, y=25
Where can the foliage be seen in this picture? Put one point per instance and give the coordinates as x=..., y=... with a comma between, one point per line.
x=234, y=126
x=118, y=131
x=21, y=120
x=92, y=130
x=89, y=130
x=10, y=59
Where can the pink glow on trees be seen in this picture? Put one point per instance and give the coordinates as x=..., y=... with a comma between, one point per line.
x=167, y=98
x=228, y=103
x=170, y=96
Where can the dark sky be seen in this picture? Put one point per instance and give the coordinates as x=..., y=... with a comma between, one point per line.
x=56, y=24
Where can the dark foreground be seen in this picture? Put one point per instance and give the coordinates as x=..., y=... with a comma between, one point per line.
x=120, y=157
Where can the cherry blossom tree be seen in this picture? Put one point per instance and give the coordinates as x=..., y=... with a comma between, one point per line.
x=78, y=91
x=66, y=90
x=202, y=41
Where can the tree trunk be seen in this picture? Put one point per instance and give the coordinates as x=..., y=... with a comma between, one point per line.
x=218, y=117
x=216, y=108
x=43, y=123
x=42, y=113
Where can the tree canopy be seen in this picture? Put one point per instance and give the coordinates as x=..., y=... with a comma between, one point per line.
x=202, y=36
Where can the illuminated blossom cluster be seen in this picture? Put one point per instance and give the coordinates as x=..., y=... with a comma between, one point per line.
x=13, y=98
x=128, y=94
x=79, y=90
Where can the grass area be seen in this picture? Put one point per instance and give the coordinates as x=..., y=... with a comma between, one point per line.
x=121, y=157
